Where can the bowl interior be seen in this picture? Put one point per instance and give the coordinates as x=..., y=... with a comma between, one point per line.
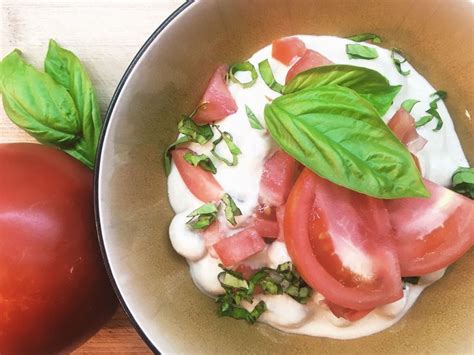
x=167, y=79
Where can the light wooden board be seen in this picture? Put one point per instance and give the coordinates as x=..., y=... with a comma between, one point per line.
x=105, y=34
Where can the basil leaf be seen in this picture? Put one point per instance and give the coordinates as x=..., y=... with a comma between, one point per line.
x=67, y=70
x=203, y=217
x=231, y=210
x=253, y=120
x=201, y=160
x=359, y=51
x=233, y=149
x=37, y=104
x=199, y=134
x=246, y=66
x=424, y=120
x=398, y=59
x=323, y=129
x=366, y=37
x=408, y=104
x=439, y=95
x=463, y=181
x=167, y=160
x=267, y=76
x=228, y=279
x=368, y=83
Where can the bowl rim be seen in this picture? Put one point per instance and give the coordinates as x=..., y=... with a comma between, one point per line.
x=100, y=146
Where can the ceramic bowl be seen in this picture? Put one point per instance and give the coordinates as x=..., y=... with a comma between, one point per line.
x=167, y=78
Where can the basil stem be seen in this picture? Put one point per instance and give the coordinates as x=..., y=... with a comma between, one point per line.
x=230, y=210
x=408, y=104
x=201, y=160
x=366, y=37
x=463, y=182
x=203, y=217
x=245, y=67
x=398, y=59
x=267, y=75
x=233, y=149
x=359, y=51
x=253, y=120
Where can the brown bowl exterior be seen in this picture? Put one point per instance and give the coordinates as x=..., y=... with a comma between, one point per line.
x=167, y=78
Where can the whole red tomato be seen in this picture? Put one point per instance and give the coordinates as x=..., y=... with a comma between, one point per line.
x=54, y=291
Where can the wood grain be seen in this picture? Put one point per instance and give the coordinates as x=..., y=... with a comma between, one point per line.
x=105, y=34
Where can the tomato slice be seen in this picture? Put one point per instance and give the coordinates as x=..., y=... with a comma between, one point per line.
x=311, y=59
x=217, y=101
x=351, y=315
x=341, y=243
x=431, y=233
x=201, y=183
x=287, y=48
x=402, y=125
x=238, y=247
x=279, y=173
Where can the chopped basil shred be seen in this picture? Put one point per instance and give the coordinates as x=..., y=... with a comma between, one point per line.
x=366, y=37
x=359, y=51
x=199, y=134
x=203, y=217
x=408, y=104
x=233, y=149
x=267, y=76
x=230, y=210
x=433, y=111
x=463, y=182
x=253, y=120
x=246, y=66
x=180, y=140
x=283, y=280
x=411, y=280
x=201, y=160
x=398, y=59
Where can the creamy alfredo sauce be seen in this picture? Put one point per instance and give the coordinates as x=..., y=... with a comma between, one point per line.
x=439, y=158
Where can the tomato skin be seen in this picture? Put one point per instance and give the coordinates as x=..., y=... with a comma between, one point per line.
x=351, y=315
x=201, y=183
x=431, y=233
x=298, y=214
x=311, y=59
x=287, y=48
x=54, y=291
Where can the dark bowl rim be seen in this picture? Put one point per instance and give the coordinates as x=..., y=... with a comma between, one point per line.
x=100, y=147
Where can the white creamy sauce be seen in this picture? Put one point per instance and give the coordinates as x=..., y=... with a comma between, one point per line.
x=439, y=158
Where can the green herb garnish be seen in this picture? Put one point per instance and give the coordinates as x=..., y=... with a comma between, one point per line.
x=267, y=75
x=322, y=128
x=233, y=149
x=463, y=181
x=230, y=210
x=408, y=104
x=359, y=51
x=201, y=160
x=203, y=217
x=253, y=120
x=366, y=37
x=246, y=66
x=398, y=59
x=411, y=279
x=433, y=111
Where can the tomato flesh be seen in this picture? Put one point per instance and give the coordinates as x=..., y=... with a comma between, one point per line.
x=217, y=102
x=200, y=182
x=341, y=244
x=238, y=247
x=431, y=233
x=402, y=125
x=287, y=48
x=311, y=59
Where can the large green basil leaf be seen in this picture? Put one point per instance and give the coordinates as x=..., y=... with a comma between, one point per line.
x=341, y=137
x=368, y=83
x=66, y=69
x=37, y=104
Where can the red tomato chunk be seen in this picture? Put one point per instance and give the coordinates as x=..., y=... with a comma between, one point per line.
x=311, y=59
x=287, y=48
x=238, y=247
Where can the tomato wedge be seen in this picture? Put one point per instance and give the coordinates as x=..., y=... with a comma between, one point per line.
x=201, y=183
x=341, y=243
x=287, y=48
x=402, y=125
x=217, y=102
x=279, y=173
x=311, y=59
x=238, y=247
x=431, y=233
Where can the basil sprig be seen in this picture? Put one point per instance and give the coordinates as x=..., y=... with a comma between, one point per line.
x=359, y=51
x=201, y=160
x=433, y=111
x=267, y=75
x=463, y=181
x=398, y=59
x=368, y=83
x=230, y=209
x=283, y=280
x=253, y=120
x=323, y=128
x=246, y=66
x=58, y=107
x=366, y=37
x=408, y=104
x=227, y=138
x=203, y=217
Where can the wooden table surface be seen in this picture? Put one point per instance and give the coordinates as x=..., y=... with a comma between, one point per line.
x=105, y=34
